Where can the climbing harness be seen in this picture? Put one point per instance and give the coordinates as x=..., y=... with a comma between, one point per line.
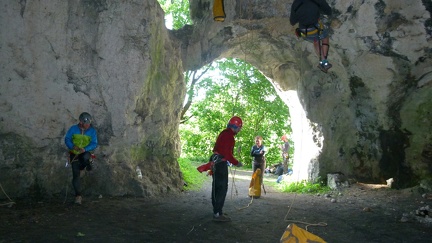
x=314, y=33
x=314, y=29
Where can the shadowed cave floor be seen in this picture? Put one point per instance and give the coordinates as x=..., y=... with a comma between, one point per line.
x=188, y=217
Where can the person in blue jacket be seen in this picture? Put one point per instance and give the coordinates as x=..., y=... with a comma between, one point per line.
x=81, y=140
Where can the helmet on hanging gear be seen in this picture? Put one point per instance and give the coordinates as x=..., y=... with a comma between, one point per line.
x=284, y=137
x=235, y=122
x=85, y=118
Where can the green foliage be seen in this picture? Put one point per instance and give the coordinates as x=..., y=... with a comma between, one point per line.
x=179, y=10
x=191, y=176
x=304, y=187
x=239, y=90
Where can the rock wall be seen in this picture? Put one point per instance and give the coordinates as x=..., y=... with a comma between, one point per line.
x=112, y=59
x=368, y=118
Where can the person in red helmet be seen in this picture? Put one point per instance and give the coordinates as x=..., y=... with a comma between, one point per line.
x=223, y=153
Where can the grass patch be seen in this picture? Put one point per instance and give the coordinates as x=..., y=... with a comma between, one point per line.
x=304, y=187
x=191, y=176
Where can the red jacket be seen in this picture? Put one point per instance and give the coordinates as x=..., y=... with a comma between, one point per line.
x=225, y=145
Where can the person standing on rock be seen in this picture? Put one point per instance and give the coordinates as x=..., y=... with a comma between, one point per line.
x=222, y=155
x=258, y=154
x=81, y=140
x=307, y=14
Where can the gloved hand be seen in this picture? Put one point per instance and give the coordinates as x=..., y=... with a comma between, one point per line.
x=205, y=167
x=298, y=32
x=80, y=150
x=239, y=164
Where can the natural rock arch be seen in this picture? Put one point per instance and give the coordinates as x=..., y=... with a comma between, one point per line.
x=350, y=120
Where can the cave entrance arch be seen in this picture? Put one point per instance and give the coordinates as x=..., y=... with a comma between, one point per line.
x=305, y=135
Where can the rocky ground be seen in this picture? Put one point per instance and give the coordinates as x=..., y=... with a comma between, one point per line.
x=360, y=213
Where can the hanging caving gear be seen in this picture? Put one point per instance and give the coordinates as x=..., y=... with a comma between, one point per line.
x=218, y=10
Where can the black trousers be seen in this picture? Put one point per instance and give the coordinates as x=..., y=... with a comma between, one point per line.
x=219, y=186
x=79, y=162
x=259, y=163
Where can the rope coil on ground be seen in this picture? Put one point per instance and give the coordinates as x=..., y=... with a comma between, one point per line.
x=247, y=205
x=323, y=224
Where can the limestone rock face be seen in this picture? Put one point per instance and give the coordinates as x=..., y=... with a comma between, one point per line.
x=112, y=59
x=368, y=118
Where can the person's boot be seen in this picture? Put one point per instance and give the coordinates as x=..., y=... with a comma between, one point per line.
x=90, y=166
x=221, y=218
x=324, y=65
x=78, y=200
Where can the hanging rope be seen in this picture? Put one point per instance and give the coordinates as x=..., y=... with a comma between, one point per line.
x=68, y=178
x=233, y=185
x=248, y=38
x=323, y=224
x=9, y=203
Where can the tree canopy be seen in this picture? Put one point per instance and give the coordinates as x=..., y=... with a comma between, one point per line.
x=238, y=89
x=178, y=10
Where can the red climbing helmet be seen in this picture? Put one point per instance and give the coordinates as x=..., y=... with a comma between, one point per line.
x=235, y=122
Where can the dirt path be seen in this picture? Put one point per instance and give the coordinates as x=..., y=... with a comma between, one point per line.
x=188, y=217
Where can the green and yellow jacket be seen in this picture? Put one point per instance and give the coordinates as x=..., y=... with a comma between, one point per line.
x=83, y=139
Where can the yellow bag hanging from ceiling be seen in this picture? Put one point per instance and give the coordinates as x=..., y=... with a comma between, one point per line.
x=295, y=234
x=218, y=10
